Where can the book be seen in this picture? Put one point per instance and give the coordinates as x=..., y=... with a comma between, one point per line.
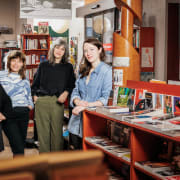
x=153, y=166
x=43, y=43
x=176, y=105
x=168, y=104
x=27, y=29
x=168, y=174
x=43, y=28
x=158, y=101
x=120, y=134
x=42, y=58
x=111, y=109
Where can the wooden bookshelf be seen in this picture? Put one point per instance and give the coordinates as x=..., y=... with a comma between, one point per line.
x=144, y=143
x=32, y=47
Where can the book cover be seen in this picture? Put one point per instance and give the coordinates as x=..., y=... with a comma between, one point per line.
x=27, y=29
x=43, y=28
x=176, y=105
x=120, y=134
x=139, y=96
x=42, y=58
x=43, y=43
x=158, y=101
x=168, y=104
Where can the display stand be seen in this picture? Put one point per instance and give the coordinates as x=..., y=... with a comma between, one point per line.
x=144, y=143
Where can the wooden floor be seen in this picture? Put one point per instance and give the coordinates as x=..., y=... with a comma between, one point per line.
x=7, y=153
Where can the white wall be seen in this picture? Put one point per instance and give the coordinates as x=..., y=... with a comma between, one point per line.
x=76, y=28
x=9, y=15
x=155, y=16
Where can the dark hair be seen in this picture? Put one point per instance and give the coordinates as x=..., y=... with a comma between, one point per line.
x=17, y=54
x=85, y=66
x=58, y=42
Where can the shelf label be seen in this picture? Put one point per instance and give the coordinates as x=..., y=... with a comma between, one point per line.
x=121, y=61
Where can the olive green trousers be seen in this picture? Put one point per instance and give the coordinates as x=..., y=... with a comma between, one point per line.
x=49, y=117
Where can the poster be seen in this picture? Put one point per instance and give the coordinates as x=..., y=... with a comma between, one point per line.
x=45, y=8
x=118, y=77
x=147, y=57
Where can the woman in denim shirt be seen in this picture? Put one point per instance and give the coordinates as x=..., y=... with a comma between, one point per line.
x=92, y=88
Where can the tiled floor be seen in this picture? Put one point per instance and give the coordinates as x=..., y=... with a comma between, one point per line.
x=7, y=154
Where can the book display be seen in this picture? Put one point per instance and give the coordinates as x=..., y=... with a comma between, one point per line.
x=147, y=142
x=36, y=47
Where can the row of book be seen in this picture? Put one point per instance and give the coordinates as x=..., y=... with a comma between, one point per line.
x=155, y=120
x=163, y=170
x=31, y=44
x=136, y=38
x=35, y=59
x=30, y=73
x=109, y=146
x=140, y=99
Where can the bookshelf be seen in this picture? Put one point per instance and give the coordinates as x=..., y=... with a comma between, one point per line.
x=35, y=47
x=3, y=52
x=144, y=143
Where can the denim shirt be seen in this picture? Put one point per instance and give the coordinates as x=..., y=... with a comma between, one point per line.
x=97, y=89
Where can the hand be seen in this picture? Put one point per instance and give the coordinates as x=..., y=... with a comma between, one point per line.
x=62, y=98
x=79, y=102
x=2, y=117
x=35, y=99
x=30, y=107
x=77, y=110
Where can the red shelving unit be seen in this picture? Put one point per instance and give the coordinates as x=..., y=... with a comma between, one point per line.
x=144, y=143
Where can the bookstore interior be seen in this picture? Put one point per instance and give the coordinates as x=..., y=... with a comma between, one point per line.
x=136, y=136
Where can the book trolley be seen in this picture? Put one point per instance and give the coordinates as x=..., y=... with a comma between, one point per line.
x=144, y=143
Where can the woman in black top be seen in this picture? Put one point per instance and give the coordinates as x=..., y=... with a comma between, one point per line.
x=52, y=85
x=5, y=111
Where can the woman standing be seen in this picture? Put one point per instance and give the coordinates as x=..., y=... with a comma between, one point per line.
x=17, y=87
x=5, y=109
x=52, y=84
x=92, y=88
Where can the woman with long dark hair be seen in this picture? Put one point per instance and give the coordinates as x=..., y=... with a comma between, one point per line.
x=92, y=88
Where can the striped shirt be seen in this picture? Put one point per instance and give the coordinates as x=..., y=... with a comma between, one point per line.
x=18, y=89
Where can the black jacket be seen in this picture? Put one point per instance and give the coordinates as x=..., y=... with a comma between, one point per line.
x=5, y=103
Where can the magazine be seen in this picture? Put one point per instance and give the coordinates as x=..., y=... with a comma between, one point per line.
x=43, y=28
x=27, y=28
